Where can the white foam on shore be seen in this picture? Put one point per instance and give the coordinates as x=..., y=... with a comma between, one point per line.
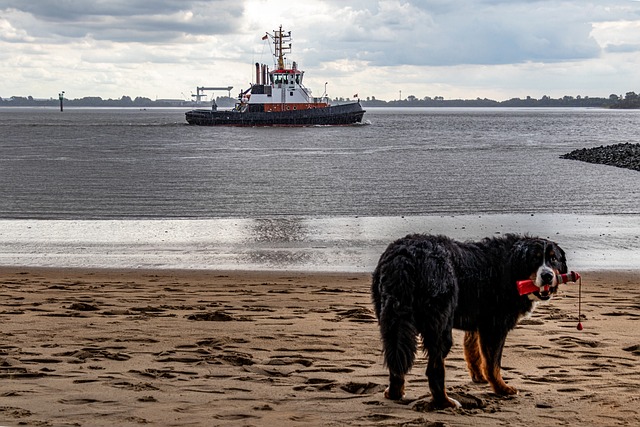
x=343, y=244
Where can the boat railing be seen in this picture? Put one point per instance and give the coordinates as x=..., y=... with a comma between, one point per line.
x=307, y=92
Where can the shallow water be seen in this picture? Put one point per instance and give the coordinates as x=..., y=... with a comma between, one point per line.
x=352, y=244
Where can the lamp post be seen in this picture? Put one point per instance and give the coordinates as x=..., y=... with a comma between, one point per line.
x=61, y=97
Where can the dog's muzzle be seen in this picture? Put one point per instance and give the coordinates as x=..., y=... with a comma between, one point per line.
x=548, y=285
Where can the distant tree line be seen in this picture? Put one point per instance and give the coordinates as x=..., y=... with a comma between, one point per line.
x=96, y=101
x=630, y=100
x=88, y=101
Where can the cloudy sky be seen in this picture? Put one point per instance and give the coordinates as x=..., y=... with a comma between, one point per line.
x=497, y=49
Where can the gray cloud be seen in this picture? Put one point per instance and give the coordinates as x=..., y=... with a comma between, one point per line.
x=626, y=48
x=382, y=33
x=123, y=20
x=463, y=46
x=442, y=33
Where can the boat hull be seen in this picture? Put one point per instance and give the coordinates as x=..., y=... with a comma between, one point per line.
x=344, y=114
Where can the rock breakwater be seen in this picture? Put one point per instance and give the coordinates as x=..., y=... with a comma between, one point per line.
x=625, y=155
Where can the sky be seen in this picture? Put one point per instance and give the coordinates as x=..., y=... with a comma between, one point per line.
x=387, y=49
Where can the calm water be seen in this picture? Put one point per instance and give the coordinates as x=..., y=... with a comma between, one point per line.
x=96, y=164
x=131, y=188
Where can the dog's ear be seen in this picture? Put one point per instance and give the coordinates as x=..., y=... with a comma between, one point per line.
x=561, y=258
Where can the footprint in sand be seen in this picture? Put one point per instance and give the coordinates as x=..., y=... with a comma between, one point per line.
x=217, y=316
x=573, y=342
x=289, y=360
x=155, y=373
x=623, y=312
x=634, y=349
x=11, y=369
x=83, y=306
x=134, y=387
x=221, y=343
x=235, y=359
x=317, y=384
x=13, y=412
x=359, y=314
x=468, y=402
x=363, y=388
x=94, y=353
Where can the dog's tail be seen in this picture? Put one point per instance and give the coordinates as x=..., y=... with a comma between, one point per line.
x=397, y=329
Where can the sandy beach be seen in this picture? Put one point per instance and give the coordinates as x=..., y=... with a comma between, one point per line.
x=200, y=348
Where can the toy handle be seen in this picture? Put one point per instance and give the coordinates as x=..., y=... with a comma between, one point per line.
x=572, y=276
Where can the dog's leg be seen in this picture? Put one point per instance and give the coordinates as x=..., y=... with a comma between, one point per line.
x=399, y=343
x=491, y=344
x=473, y=356
x=438, y=346
x=436, y=374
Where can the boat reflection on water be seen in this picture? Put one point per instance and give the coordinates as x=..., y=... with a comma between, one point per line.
x=272, y=240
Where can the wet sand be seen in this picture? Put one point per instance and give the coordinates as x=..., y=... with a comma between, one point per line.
x=183, y=347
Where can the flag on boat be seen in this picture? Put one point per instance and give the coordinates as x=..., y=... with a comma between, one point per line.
x=266, y=36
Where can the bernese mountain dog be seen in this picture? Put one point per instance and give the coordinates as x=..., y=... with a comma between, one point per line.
x=427, y=285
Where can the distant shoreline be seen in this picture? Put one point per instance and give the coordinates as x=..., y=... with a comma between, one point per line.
x=613, y=101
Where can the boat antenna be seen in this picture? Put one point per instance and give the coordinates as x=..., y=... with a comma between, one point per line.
x=279, y=37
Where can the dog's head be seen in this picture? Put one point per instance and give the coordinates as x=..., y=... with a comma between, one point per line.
x=539, y=260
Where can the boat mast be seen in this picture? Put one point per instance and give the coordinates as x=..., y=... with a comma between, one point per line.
x=279, y=37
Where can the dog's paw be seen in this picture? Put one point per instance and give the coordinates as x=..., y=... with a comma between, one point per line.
x=446, y=403
x=455, y=403
x=395, y=395
x=479, y=379
x=505, y=390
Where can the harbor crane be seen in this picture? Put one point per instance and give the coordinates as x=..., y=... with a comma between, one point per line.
x=200, y=91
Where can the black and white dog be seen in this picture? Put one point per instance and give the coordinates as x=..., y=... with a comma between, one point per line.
x=428, y=285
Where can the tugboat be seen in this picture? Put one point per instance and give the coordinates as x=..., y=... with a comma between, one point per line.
x=278, y=98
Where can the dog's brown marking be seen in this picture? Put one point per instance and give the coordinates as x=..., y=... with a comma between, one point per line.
x=473, y=356
x=497, y=383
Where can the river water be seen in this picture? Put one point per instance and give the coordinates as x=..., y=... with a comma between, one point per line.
x=140, y=188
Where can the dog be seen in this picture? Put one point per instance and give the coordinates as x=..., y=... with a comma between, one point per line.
x=427, y=285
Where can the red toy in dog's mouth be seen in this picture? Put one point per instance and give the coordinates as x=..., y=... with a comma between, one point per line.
x=526, y=287
x=544, y=292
